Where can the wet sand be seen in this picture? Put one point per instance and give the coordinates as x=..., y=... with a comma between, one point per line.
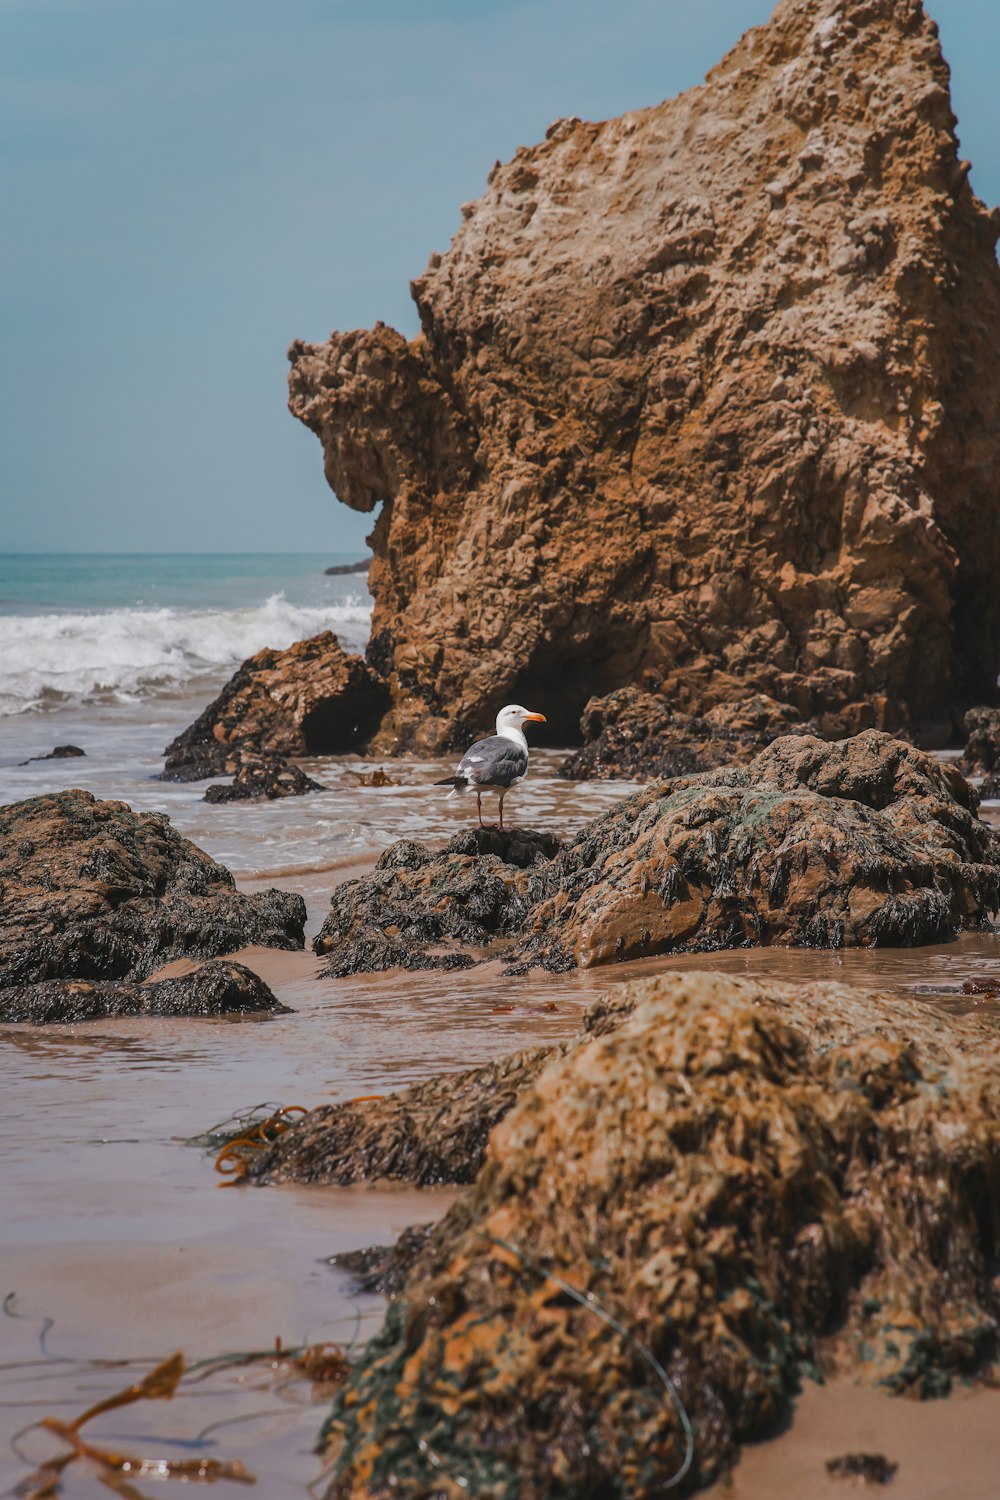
x=945, y=1450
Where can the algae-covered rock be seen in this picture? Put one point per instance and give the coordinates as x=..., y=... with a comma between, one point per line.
x=213, y=989
x=93, y=890
x=423, y=910
x=640, y=735
x=864, y=842
x=432, y=1132
x=749, y=1181
x=269, y=776
x=982, y=750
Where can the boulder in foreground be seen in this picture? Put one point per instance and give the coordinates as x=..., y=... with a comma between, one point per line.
x=213, y=989
x=93, y=890
x=756, y=1182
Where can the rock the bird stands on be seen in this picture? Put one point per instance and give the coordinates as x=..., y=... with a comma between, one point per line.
x=496, y=763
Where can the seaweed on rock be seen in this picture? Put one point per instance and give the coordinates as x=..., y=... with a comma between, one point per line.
x=758, y=1180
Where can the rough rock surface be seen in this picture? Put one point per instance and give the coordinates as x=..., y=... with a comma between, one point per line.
x=982, y=748
x=864, y=842
x=705, y=395
x=313, y=699
x=254, y=775
x=432, y=1132
x=638, y=735
x=213, y=989
x=93, y=890
x=421, y=910
x=752, y=1179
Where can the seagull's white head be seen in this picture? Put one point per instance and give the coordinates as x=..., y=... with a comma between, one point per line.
x=513, y=716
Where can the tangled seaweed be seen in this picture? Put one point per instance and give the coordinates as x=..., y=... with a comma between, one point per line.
x=233, y=1159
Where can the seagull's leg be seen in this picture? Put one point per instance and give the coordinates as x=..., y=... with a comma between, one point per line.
x=502, y=794
x=479, y=806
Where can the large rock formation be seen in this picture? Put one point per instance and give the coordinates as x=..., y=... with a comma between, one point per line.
x=93, y=890
x=706, y=397
x=730, y=1185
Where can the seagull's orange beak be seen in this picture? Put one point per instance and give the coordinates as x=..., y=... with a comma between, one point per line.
x=538, y=718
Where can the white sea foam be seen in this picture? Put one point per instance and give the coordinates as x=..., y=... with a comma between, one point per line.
x=50, y=660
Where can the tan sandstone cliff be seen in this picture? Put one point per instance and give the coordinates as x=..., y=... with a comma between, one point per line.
x=706, y=397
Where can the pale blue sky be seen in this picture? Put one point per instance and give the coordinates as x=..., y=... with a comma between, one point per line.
x=187, y=185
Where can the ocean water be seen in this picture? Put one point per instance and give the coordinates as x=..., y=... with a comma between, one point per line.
x=82, y=630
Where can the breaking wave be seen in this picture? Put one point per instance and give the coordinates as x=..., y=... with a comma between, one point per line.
x=51, y=660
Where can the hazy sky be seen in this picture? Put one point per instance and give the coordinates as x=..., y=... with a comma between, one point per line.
x=187, y=185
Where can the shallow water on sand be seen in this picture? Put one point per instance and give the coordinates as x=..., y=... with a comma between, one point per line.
x=119, y=1233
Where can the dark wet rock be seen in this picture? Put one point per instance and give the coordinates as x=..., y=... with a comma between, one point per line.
x=639, y=735
x=982, y=749
x=432, y=1132
x=214, y=989
x=340, y=570
x=383, y=1269
x=93, y=890
x=313, y=699
x=422, y=910
x=755, y=1180
x=61, y=752
x=989, y=788
x=864, y=842
x=868, y=1468
x=269, y=776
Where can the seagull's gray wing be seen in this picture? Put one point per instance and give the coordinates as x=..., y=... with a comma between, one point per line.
x=496, y=761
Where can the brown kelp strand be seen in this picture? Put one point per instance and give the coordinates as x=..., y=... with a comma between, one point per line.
x=232, y=1160
x=325, y=1365
x=160, y=1384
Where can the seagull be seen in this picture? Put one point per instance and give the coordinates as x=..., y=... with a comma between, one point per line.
x=497, y=763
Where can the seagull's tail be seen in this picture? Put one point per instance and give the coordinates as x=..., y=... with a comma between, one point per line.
x=457, y=784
